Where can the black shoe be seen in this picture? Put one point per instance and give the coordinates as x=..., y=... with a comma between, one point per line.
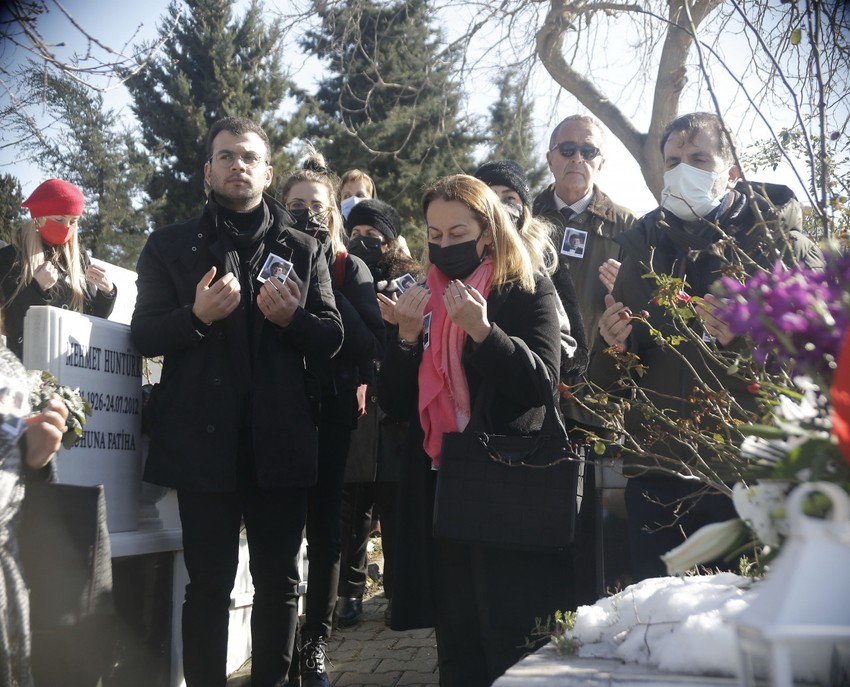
x=312, y=662
x=349, y=611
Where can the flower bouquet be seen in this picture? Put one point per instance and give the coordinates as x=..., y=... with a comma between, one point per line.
x=42, y=386
x=796, y=323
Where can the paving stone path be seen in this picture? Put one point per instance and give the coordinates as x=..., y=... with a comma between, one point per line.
x=371, y=655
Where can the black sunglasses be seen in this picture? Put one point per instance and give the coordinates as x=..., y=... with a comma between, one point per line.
x=570, y=149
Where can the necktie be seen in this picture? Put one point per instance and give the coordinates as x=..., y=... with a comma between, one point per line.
x=567, y=212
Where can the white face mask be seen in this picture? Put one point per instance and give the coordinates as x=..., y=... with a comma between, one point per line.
x=346, y=205
x=687, y=192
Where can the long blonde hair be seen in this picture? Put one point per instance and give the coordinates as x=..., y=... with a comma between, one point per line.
x=68, y=257
x=536, y=233
x=512, y=262
x=314, y=168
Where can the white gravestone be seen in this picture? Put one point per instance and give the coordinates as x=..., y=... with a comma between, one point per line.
x=95, y=356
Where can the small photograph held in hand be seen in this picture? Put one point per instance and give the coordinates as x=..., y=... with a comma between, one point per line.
x=275, y=267
x=426, y=330
x=405, y=281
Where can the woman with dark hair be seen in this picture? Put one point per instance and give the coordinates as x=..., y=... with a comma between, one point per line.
x=373, y=461
x=460, y=360
x=310, y=196
x=510, y=183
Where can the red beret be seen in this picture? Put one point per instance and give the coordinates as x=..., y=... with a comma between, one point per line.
x=55, y=197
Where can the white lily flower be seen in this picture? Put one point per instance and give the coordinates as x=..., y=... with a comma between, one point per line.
x=706, y=544
x=762, y=507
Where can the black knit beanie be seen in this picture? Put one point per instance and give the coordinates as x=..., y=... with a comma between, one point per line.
x=375, y=213
x=506, y=173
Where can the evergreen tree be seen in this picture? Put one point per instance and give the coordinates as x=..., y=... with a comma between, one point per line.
x=389, y=106
x=11, y=212
x=213, y=66
x=87, y=150
x=511, y=136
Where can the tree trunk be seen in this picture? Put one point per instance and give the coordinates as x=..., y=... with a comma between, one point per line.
x=564, y=16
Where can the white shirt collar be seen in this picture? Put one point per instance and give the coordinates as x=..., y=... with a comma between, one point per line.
x=579, y=206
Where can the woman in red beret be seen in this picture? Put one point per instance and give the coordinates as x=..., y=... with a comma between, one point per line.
x=44, y=265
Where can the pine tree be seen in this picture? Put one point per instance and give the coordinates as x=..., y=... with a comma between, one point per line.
x=87, y=149
x=11, y=212
x=389, y=106
x=213, y=66
x=511, y=136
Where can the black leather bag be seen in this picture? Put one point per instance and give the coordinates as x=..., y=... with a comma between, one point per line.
x=67, y=564
x=515, y=492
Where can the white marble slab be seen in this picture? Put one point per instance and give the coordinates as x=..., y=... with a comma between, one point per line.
x=545, y=668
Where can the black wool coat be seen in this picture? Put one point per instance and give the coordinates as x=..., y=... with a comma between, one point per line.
x=210, y=394
x=505, y=399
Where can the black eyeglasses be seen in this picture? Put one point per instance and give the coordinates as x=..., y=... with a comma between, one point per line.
x=226, y=159
x=569, y=149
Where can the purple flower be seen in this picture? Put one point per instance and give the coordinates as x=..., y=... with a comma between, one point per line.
x=795, y=314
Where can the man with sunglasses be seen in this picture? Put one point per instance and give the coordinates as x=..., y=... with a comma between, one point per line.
x=575, y=202
x=232, y=426
x=580, y=211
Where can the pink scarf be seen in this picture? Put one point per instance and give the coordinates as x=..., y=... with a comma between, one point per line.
x=444, y=404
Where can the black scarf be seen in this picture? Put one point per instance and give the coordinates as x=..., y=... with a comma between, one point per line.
x=690, y=243
x=242, y=236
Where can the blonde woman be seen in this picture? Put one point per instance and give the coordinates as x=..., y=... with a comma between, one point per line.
x=458, y=361
x=45, y=265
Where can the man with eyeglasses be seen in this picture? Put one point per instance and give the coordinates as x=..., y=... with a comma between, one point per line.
x=582, y=214
x=233, y=427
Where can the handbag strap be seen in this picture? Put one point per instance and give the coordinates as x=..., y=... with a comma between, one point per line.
x=553, y=422
x=552, y=435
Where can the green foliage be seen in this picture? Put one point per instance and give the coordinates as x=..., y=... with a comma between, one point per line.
x=510, y=131
x=42, y=386
x=388, y=105
x=557, y=630
x=828, y=181
x=213, y=66
x=11, y=212
x=103, y=161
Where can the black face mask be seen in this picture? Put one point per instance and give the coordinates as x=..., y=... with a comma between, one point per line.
x=367, y=248
x=310, y=223
x=515, y=211
x=457, y=261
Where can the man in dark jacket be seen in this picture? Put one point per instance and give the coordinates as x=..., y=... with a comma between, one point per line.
x=576, y=206
x=706, y=226
x=232, y=426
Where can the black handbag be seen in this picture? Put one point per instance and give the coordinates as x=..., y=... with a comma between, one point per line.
x=67, y=564
x=516, y=492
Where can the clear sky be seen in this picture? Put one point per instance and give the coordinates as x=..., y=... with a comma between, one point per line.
x=119, y=25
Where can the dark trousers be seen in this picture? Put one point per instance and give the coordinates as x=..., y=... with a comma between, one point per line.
x=274, y=522
x=358, y=501
x=323, y=509
x=663, y=511
x=487, y=601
